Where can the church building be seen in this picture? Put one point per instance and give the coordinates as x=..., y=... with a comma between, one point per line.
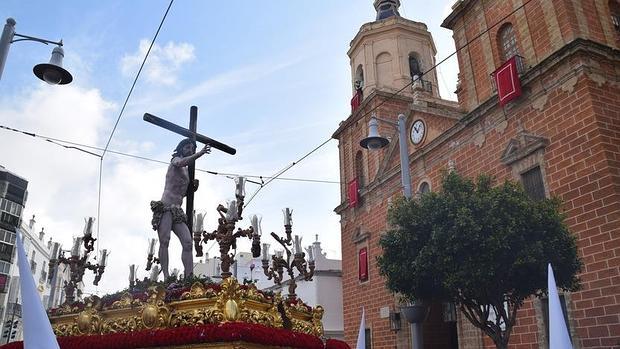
x=538, y=102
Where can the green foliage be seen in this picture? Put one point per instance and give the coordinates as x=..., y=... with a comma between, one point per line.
x=477, y=244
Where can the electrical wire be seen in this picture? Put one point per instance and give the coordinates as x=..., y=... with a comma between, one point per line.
x=120, y=114
x=79, y=146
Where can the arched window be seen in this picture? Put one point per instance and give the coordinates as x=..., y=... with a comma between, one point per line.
x=359, y=168
x=359, y=78
x=414, y=66
x=507, y=42
x=424, y=188
x=614, y=9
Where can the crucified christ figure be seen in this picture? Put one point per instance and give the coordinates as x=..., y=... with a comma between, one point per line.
x=168, y=214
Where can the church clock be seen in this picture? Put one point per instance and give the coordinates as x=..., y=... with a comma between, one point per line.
x=418, y=131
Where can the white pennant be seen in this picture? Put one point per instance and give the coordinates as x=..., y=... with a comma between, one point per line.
x=38, y=332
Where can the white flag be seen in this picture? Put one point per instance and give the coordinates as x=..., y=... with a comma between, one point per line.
x=361, y=336
x=558, y=334
x=37, y=329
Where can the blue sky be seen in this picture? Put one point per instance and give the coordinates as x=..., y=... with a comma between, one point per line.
x=270, y=78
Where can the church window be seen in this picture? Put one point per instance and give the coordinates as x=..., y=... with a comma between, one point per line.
x=507, y=42
x=414, y=66
x=424, y=188
x=358, y=83
x=614, y=8
x=362, y=264
x=359, y=168
x=545, y=311
x=533, y=183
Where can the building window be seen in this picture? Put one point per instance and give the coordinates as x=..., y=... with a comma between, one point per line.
x=614, y=8
x=507, y=42
x=362, y=262
x=533, y=183
x=414, y=66
x=545, y=310
x=424, y=188
x=6, y=252
x=367, y=338
x=4, y=282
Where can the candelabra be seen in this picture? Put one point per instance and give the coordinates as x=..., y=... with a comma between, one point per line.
x=279, y=263
x=226, y=236
x=79, y=264
x=150, y=258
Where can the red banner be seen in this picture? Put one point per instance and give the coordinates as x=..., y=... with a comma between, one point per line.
x=363, y=264
x=353, y=193
x=356, y=101
x=507, y=81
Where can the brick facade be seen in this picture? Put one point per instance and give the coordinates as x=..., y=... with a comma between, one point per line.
x=567, y=123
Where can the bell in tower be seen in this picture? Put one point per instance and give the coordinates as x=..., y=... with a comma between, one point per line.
x=386, y=8
x=390, y=53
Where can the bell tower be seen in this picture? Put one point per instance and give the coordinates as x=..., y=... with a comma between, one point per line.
x=386, y=54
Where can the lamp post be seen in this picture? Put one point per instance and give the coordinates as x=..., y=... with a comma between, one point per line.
x=53, y=73
x=374, y=142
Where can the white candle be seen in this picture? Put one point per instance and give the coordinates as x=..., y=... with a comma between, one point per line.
x=152, y=246
x=310, y=253
x=232, y=210
x=280, y=253
x=265, y=252
x=75, y=251
x=256, y=224
x=287, y=216
x=132, y=272
x=297, y=244
x=55, y=251
x=240, y=186
x=104, y=258
x=155, y=272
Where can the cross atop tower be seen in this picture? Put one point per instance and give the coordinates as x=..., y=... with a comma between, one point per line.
x=386, y=8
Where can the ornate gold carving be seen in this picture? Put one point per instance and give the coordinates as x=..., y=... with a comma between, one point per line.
x=198, y=291
x=200, y=305
x=126, y=301
x=88, y=320
x=155, y=313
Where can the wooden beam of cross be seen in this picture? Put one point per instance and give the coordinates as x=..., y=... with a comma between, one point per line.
x=196, y=137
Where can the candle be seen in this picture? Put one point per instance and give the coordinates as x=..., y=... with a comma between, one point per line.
x=265, y=252
x=297, y=244
x=287, y=216
x=256, y=224
x=88, y=227
x=75, y=251
x=231, y=214
x=55, y=251
x=155, y=272
x=104, y=258
x=279, y=253
x=199, y=222
x=132, y=272
x=310, y=253
x=152, y=243
x=240, y=186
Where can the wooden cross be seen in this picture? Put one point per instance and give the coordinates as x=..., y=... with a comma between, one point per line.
x=191, y=168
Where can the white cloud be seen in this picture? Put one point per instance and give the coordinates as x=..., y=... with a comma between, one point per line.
x=163, y=63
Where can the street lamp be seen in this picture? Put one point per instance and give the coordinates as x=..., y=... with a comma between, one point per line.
x=374, y=142
x=53, y=73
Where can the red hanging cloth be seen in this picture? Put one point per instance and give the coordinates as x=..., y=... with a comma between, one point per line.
x=507, y=81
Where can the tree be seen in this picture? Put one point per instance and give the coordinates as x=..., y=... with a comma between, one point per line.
x=484, y=248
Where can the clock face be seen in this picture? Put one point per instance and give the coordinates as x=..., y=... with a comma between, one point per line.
x=418, y=130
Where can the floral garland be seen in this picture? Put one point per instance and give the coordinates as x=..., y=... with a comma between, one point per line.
x=211, y=333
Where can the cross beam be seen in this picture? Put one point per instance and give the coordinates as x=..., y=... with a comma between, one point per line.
x=189, y=133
